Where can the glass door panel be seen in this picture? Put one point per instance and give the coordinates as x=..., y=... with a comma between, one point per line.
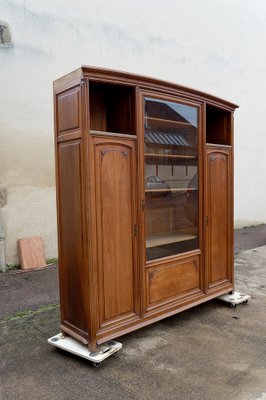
x=171, y=178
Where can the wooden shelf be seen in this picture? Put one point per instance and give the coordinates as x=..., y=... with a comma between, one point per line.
x=169, y=121
x=168, y=238
x=168, y=156
x=218, y=145
x=114, y=134
x=170, y=190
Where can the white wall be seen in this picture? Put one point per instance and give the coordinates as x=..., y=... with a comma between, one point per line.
x=217, y=46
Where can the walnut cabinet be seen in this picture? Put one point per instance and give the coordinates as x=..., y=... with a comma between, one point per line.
x=144, y=172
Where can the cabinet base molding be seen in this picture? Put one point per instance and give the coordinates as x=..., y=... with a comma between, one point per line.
x=150, y=318
x=74, y=332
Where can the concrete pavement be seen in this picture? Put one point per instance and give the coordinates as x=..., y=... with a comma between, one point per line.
x=20, y=290
x=208, y=352
x=249, y=238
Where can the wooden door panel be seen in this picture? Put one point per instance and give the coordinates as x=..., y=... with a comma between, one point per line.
x=68, y=104
x=219, y=216
x=173, y=279
x=70, y=244
x=115, y=202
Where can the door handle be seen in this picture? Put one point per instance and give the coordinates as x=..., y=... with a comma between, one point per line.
x=136, y=230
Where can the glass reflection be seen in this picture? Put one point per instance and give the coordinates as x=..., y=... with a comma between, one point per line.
x=171, y=178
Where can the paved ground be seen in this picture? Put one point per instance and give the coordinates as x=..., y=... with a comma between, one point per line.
x=249, y=238
x=21, y=291
x=208, y=352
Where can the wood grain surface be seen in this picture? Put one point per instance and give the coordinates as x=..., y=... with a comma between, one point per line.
x=31, y=251
x=107, y=286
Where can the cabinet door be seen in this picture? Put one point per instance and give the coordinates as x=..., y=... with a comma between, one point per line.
x=219, y=228
x=116, y=229
x=172, y=214
x=171, y=133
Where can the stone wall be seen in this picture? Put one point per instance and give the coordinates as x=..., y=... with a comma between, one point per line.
x=214, y=46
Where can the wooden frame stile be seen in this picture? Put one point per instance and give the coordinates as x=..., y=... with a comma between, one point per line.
x=204, y=193
x=57, y=90
x=201, y=138
x=142, y=205
x=57, y=197
x=231, y=219
x=140, y=202
x=232, y=198
x=92, y=228
x=88, y=238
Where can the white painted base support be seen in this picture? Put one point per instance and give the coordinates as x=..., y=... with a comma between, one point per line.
x=71, y=345
x=235, y=298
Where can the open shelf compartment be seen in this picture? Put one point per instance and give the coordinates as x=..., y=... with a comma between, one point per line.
x=218, y=126
x=111, y=108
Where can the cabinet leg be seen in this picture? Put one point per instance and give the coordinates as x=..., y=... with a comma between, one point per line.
x=92, y=346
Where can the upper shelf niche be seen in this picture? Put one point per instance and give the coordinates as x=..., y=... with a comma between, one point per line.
x=111, y=108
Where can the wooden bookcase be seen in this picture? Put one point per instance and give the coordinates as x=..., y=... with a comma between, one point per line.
x=144, y=172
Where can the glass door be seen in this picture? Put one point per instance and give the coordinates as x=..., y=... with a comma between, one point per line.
x=171, y=178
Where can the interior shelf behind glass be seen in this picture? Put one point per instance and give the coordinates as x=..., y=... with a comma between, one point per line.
x=172, y=190
x=167, y=238
x=171, y=178
x=169, y=155
x=166, y=121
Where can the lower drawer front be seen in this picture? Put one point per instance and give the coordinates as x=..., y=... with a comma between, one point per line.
x=171, y=280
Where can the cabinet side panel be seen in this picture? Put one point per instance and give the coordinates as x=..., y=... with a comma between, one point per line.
x=114, y=197
x=218, y=209
x=68, y=103
x=70, y=218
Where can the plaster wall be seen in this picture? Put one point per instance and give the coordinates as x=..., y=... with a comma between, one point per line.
x=214, y=46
